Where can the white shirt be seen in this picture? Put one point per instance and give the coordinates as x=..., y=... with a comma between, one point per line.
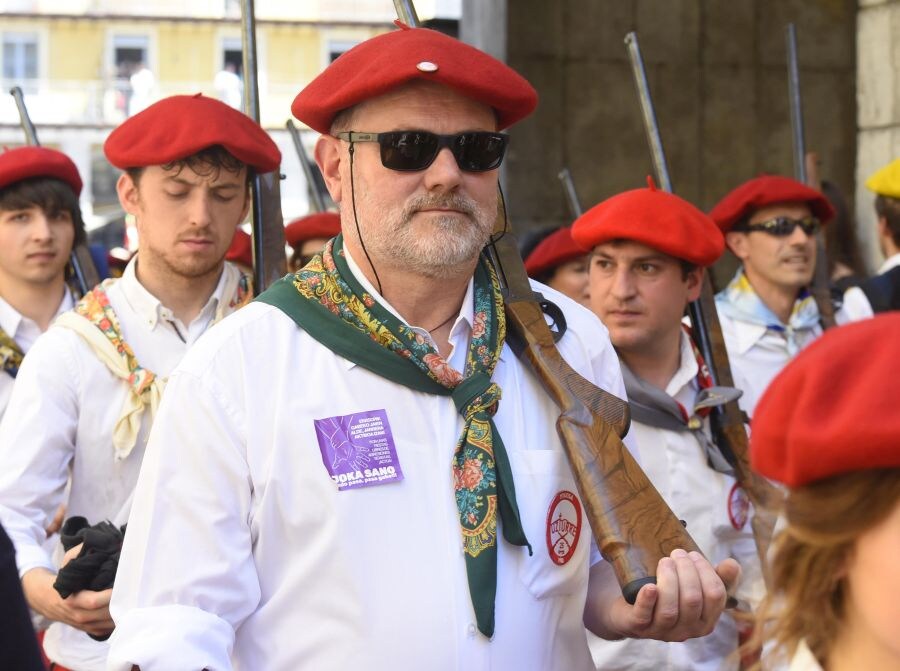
x=855, y=300
x=242, y=552
x=758, y=354
x=803, y=659
x=59, y=424
x=676, y=464
x=24, y=331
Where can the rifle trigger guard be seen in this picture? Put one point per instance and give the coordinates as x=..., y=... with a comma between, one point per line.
x=558, y=326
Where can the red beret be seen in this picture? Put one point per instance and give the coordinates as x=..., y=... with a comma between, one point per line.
x=24, y=162
x=768, y=190
x=386, y=61
x=240, y=250
x=319, y=225
x=834, y=408
x=554, y=250
x=655, y=218
x=180, y=126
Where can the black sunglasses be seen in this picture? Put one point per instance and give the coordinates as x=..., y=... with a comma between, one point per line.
x=411, y=150
x=782, y=226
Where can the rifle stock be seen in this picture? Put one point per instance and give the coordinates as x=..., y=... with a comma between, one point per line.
x=269, y=259
x=631, y=522
x=82, y=275
x=820, y=287
x=727, y=421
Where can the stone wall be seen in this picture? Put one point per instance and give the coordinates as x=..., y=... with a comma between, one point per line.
x=878, y=106
x=717, y=73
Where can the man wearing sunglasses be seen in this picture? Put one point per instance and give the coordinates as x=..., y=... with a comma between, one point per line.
x=766, y=311
x=366, y=498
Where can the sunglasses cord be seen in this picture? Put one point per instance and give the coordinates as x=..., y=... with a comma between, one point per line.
x=356, y=221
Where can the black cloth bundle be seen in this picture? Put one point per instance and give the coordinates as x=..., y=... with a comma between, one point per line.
x=95, y=566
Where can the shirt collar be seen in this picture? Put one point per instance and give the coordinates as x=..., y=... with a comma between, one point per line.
x=687, y=369
x=148, y=306
x=11, y=320
x=462, y=327
x=889, y=263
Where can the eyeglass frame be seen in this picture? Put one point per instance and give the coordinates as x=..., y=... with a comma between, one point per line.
x=809, y=225
x=443, y=141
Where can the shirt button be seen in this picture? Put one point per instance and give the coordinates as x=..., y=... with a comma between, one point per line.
x=472, y=629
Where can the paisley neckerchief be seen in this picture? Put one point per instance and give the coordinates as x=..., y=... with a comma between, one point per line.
x=327, y=301
x=11, y=354
x=740, y=302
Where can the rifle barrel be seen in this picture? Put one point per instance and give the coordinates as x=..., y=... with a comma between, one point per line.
x=571, y=194
x=406, y=12
x=27, y=126
x=796, y=103
x=269, y=261
x=649, y=113
x=317, y=202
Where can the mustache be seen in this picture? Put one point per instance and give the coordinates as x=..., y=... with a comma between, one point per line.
x=453, y=201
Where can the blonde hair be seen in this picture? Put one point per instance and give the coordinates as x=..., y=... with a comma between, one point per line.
x=807, y=591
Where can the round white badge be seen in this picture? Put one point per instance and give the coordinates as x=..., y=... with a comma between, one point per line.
x=427, y=66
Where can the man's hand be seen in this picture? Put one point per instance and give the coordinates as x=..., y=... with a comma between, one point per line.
x=85, y=610
x=686, y=601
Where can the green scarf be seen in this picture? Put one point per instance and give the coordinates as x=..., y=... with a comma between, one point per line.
x=326, y=301
x=11, y=354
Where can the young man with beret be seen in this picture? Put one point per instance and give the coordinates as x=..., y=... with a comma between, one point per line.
x=368, y=520
x=88, y=391
x=40, y=222
x=649, y=252
x=766, y=311
x=882, y=292
x=559, y=262
x=307, y=236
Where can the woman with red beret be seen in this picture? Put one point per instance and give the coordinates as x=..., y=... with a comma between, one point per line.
x=828, y=428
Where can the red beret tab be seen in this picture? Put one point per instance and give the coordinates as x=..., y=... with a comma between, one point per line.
x=241, y=249
x=768, y=190
x=834, y=408
x=180, y=126
x=655, y=218
x=319, y=225
x=554, y=250
x=387, y=61
x=25, y=162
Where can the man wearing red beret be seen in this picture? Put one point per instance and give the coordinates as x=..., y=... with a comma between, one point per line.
x=307, y=236
x=560, y=263
x=88, y=391
x=767, y=313
x=40, y=221
x=397, y=514
x=650, y=249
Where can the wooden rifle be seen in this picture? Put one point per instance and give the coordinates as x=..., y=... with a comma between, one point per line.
x=82, y=275
x=269, y=259
x=571, y=194
x=821, y=285
x=727, y=421
x=632, y=524
x=316, y=197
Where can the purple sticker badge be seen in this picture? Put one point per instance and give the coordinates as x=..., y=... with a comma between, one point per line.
x=358, y=450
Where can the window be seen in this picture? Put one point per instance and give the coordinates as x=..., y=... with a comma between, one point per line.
x=337, y=47
x=20, y=59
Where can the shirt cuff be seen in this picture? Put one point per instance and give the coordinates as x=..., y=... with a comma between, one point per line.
x=170, y=637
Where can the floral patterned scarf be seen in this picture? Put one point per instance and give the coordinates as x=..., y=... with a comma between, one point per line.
x=740, y=302
x=325, y=300
x=11, y=354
